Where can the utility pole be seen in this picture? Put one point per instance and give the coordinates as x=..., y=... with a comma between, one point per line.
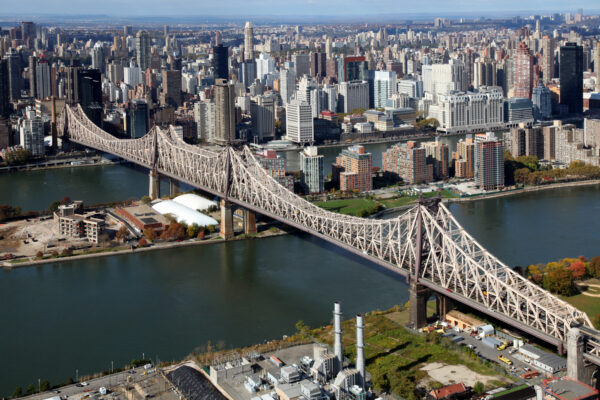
x=39, y=385
x=76, y=375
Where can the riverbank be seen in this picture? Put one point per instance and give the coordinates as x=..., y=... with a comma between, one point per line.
x=120, y=251
x=69, y=163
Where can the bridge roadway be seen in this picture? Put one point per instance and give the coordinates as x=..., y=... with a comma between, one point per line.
x=426, y=245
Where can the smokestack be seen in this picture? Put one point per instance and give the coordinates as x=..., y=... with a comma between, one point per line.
x=360, y=348
x=337, y=332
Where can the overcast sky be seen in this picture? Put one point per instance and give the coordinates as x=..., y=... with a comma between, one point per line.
x=285, y=7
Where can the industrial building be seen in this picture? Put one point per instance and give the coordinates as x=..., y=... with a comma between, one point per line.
x=567, y=389
x=72, y=221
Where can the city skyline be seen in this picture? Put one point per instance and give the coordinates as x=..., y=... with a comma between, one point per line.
x=297, y=8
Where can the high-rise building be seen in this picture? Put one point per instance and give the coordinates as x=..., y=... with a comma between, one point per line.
x=220, y=62
x=264, y=65
x=142, y=49
x=438, y=156
x=4, y=89
x=384, y=86
x=352, y=68
x=299, y=122
x=571, y=77
x=407, y=161
x=523, y=72
x=32, y=134
x=597, y=65
x=43, y=81
x=464, y=159
x=274, y=165
x=548, y=58
x=287, y=78
x=262, y=110
x=224, y=111
x=441, y=79
x=353, y=170
x=311, y=167
x=98, y=56
x=137, y=119
x=527, y=141
x=318, y=66
x=90, y=94
x=14, y=75
x=171, y=88
x=32, y=75
x=248, y=72
x=542, y=102
x=489, y=161
x=353, y=95
x=204, y=115
x=248, y=41
x=484, y=73
x=301, y=64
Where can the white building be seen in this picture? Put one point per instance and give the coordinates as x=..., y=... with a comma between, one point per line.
x=132, y=75
x=287, y=79
x=299, y=122
x=263, y=117
x=32, y=134
x=411, y=87
x=204, y=114
x=353, y=95
x=264, y=65
x=469, y=112
x=384, y=86
x=311, y=165
x=441, y=79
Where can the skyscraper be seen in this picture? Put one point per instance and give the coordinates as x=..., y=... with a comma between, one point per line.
x=484, y=73
x=224, y=111
x=171, y=88
x=220, y=62
x=407, y=161
x=142, y=49
x=262, y=109
x=98, y=56
x=248, y=41
x=542, y=102
x=597, y=65
x=353, y=169
x=137, y=119
x=287, y=78
x=489, y=161
x=43, y=83
x=14, y=75
x=32, y=76
x=311, y=166
x=90, y=94
x=571, y=77
x=384, y=86
x=548, y=58
x=4, y=89
x=523, y=72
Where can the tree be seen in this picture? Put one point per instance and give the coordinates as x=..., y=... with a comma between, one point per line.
x=7, y=211
x=67, y=252
x=31, y=389
x=142, y=242
x=597, y=321
x=175, y=231
x=578, y=270
x=18, y=392
x=192, y=230
x=53, y=206
x=122, y=233
x=65, y=200
x=522, y=175
x=150, y=233
x=17, y=156
x=478, y=388
x=146, y=200
x=593, y=267
x=39, y=254
x=44, y=386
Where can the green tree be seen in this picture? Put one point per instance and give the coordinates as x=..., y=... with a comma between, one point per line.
x=7, y=211
x=18, y=392
x=31, y=389
x=597, y=321
x=44, y=386
x=17, y=157
x=146, y=200
x=53, y=206
x=478, y=388
x=192, y=230
x=122, y=233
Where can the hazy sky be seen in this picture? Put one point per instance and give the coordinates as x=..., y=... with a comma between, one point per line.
x=284, y=7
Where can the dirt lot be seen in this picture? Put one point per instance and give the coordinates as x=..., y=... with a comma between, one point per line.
x=448, y=374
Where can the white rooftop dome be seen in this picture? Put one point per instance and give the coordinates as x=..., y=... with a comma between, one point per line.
x=194, y=201
x=183, y=214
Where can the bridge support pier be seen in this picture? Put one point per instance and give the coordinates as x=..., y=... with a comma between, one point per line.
x=154, y=189
x=418, y=296
x=226, y=220
x=173, y=187
x=249, y=222
x=443, y=306
x=576, y=367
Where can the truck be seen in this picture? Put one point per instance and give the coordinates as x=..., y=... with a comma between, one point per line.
x=504, y=359
x=529, y=375
x=502, y=346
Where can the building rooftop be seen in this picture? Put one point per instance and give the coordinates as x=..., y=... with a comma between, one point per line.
x=567, y=389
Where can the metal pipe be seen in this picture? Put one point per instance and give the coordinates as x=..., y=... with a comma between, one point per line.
x=360, y=348
x=337, y=332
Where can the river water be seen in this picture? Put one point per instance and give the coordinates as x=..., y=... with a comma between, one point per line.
x=84, y=314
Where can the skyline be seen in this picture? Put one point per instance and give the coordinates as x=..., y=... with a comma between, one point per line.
x=295, y=8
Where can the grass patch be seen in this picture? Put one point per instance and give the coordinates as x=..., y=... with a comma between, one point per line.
x=356, y=207
x=406, y=200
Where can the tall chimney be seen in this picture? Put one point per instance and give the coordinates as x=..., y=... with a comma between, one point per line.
x=360, y=348
x=337, y=332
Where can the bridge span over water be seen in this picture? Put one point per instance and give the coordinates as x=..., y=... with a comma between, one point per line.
x=426, y=244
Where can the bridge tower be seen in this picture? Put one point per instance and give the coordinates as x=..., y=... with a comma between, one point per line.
x=174, y=187
x=154, y=187
x=249, y=222
x=577, y=367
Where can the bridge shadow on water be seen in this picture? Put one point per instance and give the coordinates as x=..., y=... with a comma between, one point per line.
x=347, y=255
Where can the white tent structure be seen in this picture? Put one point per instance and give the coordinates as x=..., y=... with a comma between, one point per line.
x=194, y=202
x=183, y=214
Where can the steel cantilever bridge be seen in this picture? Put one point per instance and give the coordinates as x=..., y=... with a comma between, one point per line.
x=426, y=244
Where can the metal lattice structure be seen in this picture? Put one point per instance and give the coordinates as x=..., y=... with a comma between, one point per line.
x=425, y=244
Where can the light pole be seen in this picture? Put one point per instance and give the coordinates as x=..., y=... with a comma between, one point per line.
x=76, y=375
x=111, y=367
x=39, y=385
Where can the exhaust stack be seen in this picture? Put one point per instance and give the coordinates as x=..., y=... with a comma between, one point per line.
x=337, y=332
x=360, y=348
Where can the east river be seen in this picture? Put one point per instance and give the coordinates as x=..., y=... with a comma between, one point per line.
x=83, y=315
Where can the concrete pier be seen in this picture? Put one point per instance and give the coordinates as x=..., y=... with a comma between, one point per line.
x=418, y=295
x=226, y=220
x=249, y=222
x=154, y=189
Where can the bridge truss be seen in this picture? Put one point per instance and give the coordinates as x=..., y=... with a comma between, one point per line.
x=426, y=244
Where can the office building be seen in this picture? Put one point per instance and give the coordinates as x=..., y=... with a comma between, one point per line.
x=89, y=85
x=407, y=161
x=287, y=79
x=43, y=80
x=224, y=94
x=248, y=41
x=353, y=170
x=411, y=87
x=441, y=79
x=542, y=102
x=464, y=159
x=318, y=64
x=5, y=108
x=171, y=88
x=15, y=80
x=98, y=56
x=301, y=64
x=142, y=49
x=137, y=119
x=247, y=72
x=204, y=115
x=220, y=62
x=384, y=87
x=353, y=95
x=264, y=65
x=523, y=72
x=262, y=110
x=571, y=77
x=352, y=68
x=484, y=73
x=299, y=122
x=311, y=166
x=489, y=161
x=518, y=110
